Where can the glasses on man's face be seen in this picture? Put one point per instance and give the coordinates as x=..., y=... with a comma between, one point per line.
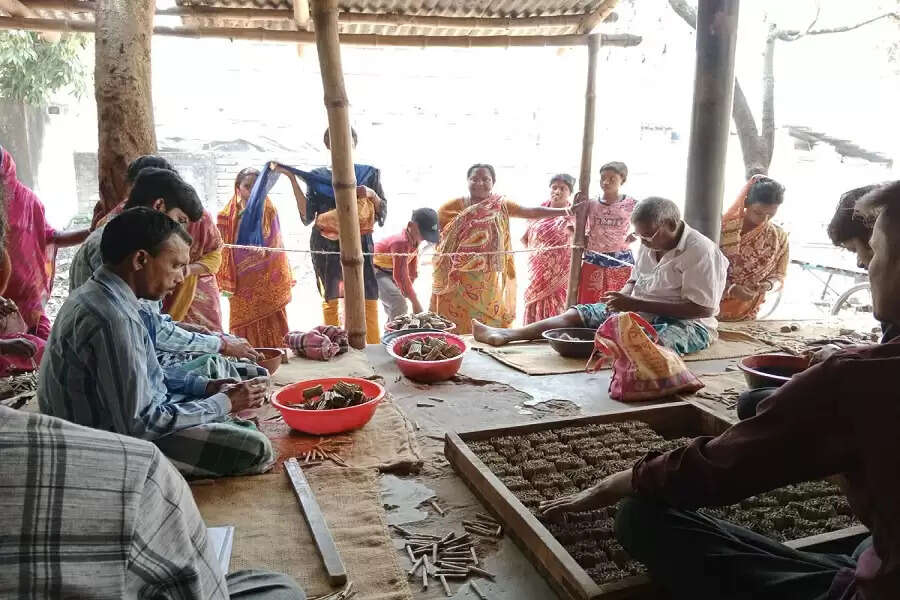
x=647, y=239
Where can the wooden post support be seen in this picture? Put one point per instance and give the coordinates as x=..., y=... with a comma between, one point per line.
x=325, y=16
x=717, y=22
x=584, y=179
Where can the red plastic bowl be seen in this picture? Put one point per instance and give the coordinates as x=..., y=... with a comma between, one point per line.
x=324, y=422
x=428, y=371
x=771, y=370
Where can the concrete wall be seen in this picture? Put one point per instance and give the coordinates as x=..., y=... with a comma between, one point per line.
x=40, y=140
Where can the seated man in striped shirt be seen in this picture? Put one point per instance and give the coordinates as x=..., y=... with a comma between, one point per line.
x=155, y=184
x=100, y=367
x=128, y=529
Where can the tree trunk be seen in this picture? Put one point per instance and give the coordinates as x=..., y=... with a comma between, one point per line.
x=122, y=88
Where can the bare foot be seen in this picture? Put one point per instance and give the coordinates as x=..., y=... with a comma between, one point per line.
x=493, y=336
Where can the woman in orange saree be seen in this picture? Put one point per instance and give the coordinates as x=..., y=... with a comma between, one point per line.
x=196, y=300
x=756, y=248
x=473, y=278
x=259, y=282
x=548, y=270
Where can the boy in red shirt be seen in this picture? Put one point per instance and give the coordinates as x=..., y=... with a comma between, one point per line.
x=395, y=274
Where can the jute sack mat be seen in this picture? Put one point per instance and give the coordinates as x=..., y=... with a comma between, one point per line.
x=271, y=533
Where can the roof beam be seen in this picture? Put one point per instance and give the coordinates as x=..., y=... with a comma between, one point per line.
x=257, y=34
x=591, y=20
x=301, y=14
x=17, y=9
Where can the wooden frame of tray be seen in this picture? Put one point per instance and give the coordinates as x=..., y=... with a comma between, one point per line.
x=552, y=559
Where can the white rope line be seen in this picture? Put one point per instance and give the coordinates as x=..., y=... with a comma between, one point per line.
x=411, y=254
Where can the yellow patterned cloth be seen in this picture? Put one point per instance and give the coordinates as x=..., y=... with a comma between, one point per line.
x=475, y=285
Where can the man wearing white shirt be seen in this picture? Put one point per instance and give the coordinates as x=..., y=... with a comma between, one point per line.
x=676, y=284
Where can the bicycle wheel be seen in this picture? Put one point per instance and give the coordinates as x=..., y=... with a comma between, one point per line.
x=847, y=301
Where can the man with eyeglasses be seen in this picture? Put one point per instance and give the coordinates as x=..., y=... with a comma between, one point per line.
x=676, y=283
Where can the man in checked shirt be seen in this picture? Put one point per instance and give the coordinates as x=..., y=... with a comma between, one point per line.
x=129, y=529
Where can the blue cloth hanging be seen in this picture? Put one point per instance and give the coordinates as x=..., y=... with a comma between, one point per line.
x=250, y=229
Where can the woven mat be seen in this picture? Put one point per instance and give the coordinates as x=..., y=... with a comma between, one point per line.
x=735, y=341
x=386, y=443
x=719, y=394
x=271, y=533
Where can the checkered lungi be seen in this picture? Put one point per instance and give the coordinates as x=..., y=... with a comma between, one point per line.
x=231, y=447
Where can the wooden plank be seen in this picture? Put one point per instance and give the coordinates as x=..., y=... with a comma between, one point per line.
x=812, y=542
x=337, y=573
x=564, y=574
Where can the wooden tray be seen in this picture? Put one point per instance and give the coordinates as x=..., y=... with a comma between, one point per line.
x=552, y=559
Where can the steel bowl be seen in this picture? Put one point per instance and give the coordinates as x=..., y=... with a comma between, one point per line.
x=578, y=348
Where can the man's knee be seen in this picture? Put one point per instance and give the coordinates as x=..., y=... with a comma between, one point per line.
x=573, y=318
x=636, y=525
x=252, y=584
x=750, y=399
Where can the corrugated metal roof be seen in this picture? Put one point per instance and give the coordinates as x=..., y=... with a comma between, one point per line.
x=491, y=9
x=378, y=17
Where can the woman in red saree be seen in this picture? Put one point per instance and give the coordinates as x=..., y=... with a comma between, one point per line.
x=196, y=300
x=33, y=242
x=473, y=278
x=548, y=270
x=756, y=248
x=259, y=282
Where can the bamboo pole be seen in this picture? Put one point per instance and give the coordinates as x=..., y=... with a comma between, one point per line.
x=324, y=14
x=17, y=9
x=584, y=179
x=271, y=35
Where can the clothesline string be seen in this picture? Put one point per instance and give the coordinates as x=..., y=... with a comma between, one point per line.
x=411, y=254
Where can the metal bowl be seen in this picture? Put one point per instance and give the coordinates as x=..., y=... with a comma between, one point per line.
x=771, y=370
x=578, y=348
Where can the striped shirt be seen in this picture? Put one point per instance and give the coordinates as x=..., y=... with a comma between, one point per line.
x=100, y=368
x=74, y=530
x=169, y=337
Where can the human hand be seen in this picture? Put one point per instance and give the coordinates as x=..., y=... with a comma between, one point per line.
x=609, y=491
x=193, y=328
x=247, y=394
x=217, y=385
x=18, y=347
x=239, y=348
x=618, y=302
x=823, y=353
x=742, y=292
x=7, y=307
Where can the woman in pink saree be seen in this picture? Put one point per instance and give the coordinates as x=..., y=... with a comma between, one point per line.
x=548, y=269
x=33, y=242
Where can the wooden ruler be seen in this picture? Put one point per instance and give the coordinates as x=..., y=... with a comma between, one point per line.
x=337, y=573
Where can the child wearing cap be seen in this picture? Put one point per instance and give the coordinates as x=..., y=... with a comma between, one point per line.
x=395, y=274
x=607, y=259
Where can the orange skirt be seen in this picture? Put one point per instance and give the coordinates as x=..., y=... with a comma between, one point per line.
x=267, y=332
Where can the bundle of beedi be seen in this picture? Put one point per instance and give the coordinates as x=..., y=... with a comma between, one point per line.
x=322, y=343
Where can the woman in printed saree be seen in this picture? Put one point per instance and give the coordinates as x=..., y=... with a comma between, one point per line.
x=756, y=248
x=19, y=351
x=548, y=270
x=33, y=242
x=196, y=300
x=473, y=278
x=259, y=282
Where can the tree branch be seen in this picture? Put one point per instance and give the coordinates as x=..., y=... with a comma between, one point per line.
x=794, y=35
